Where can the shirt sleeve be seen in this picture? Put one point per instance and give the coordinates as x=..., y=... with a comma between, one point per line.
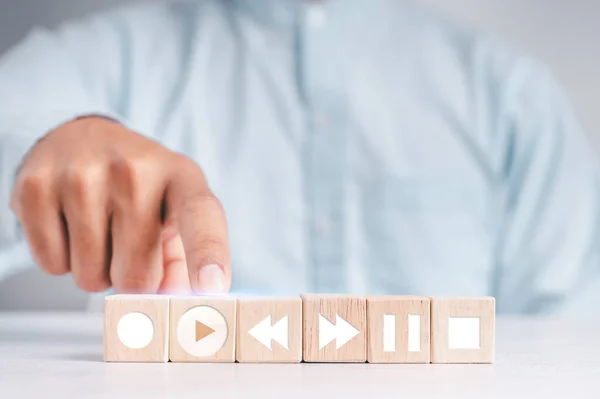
x=548, y=247
x=51, y=78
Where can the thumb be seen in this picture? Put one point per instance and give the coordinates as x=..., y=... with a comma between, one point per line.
x=176, y=279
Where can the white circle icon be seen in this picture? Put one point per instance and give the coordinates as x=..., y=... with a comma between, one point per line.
x=202, y=331
x=135, y=330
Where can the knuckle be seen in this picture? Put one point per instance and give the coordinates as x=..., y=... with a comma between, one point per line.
x=211, y=250
x=187, y=166
x=211, y=243
x=30, y=187
x=207, y=202
x=123, y=169
x=184, y=162
x=80, y=182
x=129, y=174
x=211, y=203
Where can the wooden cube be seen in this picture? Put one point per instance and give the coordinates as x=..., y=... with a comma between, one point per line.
x=398, y=329
x=269, y=330
x=462, y=330
x=334, y=328
x=202, y=329
x=136, y=328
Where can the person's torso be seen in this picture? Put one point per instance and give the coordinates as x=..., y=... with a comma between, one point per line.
x=346, y=141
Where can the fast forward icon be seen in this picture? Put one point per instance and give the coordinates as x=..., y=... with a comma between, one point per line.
x=341, y=331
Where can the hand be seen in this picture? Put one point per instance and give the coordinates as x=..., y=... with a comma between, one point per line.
x=116, y=208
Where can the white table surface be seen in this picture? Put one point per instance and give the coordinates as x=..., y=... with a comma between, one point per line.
x=60, y=356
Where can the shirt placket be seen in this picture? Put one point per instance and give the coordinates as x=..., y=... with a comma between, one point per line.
x=324, y=149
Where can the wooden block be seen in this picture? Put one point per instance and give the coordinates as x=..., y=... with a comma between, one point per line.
x=136, y=328
x=398, y=329
x=462, y=330
x=269, y=330
x=334, y=328
x=203, y=329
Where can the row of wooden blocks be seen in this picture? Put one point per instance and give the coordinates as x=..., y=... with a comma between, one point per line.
x=309, y=328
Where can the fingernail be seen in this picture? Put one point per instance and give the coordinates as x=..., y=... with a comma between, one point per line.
x=211, y=280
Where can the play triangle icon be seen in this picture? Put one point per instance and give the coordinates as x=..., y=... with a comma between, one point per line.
x=202, y=331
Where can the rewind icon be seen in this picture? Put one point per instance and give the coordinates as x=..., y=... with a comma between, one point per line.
x=270, y=330
x=265, y=332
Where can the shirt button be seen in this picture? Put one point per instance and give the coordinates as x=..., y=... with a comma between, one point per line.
x=316, y=16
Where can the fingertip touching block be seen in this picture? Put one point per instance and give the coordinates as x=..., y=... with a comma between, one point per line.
x=462, y=330
x=398, y=329
x=334, y=328
x=136, y=328
x=202, y=329
x=269, y=330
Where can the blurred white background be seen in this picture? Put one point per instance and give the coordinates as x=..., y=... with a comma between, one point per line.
x=563, y=34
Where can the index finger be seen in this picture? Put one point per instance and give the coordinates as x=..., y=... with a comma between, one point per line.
x=200, y=220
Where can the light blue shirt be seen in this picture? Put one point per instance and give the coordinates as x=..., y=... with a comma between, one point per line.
x=359, y=147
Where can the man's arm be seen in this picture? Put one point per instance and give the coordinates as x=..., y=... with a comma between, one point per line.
x=93, y=197
x=549, y=238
